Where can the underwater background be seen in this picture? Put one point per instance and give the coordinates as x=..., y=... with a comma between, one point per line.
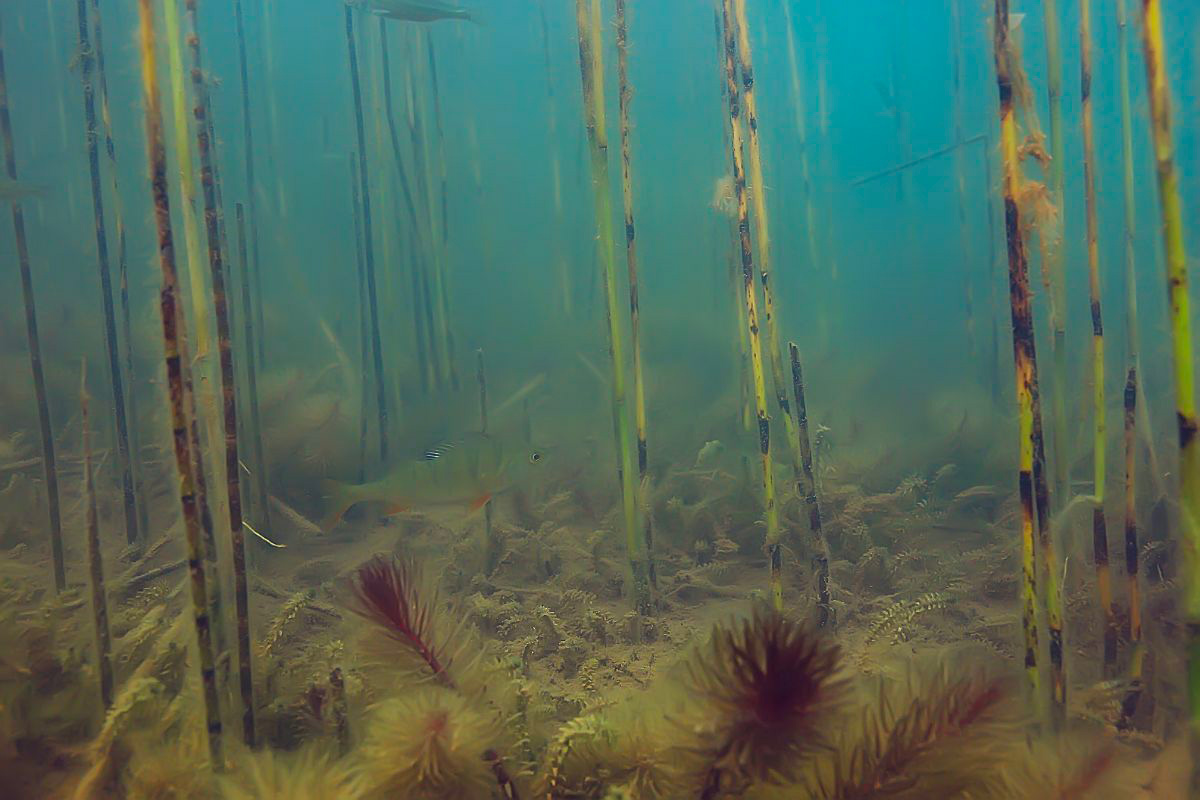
x=463, y=617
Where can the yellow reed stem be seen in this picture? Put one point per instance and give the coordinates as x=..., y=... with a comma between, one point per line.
x=1181, y=334
x=774, y=550
x=591, y=68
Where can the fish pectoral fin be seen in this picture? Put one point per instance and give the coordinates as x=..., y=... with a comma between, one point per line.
x=481, y=501
x=395, y=508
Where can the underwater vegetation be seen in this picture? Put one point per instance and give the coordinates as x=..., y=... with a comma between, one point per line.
x=767, y=513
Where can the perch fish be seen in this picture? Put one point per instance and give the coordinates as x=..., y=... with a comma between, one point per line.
x=466, y=472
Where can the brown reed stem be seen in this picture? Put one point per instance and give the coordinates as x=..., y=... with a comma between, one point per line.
x=237, y=533
x=111, y=344
x=182, y=403
x=49, y=464
x=95, y=564
x=369, y=249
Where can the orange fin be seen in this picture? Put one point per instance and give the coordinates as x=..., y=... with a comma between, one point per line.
x=480, y=501
x=395, y=508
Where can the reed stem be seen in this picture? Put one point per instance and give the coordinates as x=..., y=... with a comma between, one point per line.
x=45, y=429
x=95, y=564
x=251, y=183
x=111, y=344
x=1099, y=526
x=750, y=301
x=369, y=250
x=591, y=70
x=1171, y=217
x=182, y=404
x=261, y=486
x=808, y=487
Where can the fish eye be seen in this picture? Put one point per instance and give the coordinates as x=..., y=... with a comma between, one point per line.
x=535, y=457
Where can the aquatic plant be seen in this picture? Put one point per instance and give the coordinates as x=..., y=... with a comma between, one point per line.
x=808, y=488
x=762, y=692
x=1171, y=216
x=182, y=403
x=95, y=562
x=33, y=340
x=750, y=304
x=591, y=70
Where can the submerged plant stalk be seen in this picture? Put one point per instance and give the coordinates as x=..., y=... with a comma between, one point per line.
x=45, y=429
x=126, y=337
x=1099, y=526
x=1023, y=342
x=750, y=302
x=625, y=95
x=95, y=564
x=591, y=73
x=1171, y=213
x=116, y=379
x=369, y=250
x=808, y=487
x=251, y=184
x=181, y=402
x=261, y=487
x=237, y=533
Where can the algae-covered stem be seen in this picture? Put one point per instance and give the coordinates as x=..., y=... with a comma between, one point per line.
x=1181, y=334
x=625, y=95
x=750, y=300
x=1022, y=327
x=126, y=336
x=116, y=380
x=216, y=262
x=45, y=429
x=95, y=564
x=251, y=184
x=1099, y=445
x=587, y=19
x=808, y=485
x=1131, y=381
x=181, y=402
x=369, y=250
x=1052, y=257
x=261, y=486
x=762, y=238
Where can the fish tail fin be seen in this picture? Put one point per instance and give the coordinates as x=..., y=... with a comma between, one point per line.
x=339, y=497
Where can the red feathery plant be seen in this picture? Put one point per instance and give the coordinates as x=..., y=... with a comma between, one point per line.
x=763, y=692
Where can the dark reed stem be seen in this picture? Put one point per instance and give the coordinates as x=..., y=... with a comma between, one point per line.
x=364, y=345
x=124, y=465
x=251, y=184
x=591, y=70
x=1099, y=444
x=95, y=564
x=808, y=489
x=960, y=178
x=369, y=250
x=341, y=727
x=624, y=96
x=750, y=302
x=261, y=485
x=481, y=378
x=555, y=165
x=1031, y=470
x=49, y=464
x=233, y=485
x=423, y=356
x=442, y=277
x=126, y=338
x=182, y=403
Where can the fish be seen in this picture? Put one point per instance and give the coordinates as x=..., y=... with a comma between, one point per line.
x=466, y=472
x=418, y=10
